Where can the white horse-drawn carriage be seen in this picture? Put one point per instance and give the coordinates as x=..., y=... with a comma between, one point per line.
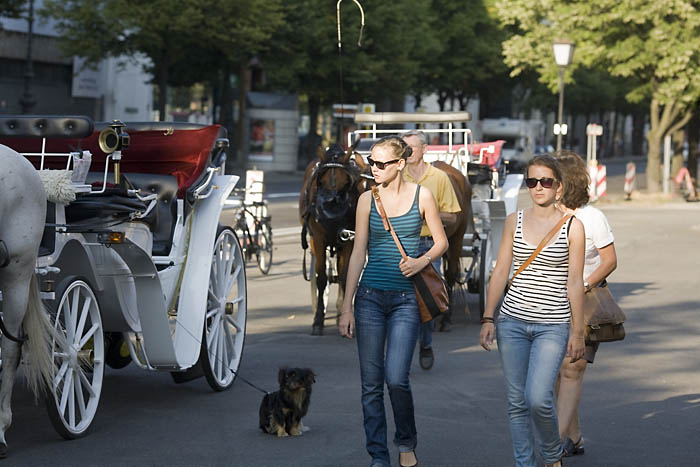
x=494, y=188
x=133, y=264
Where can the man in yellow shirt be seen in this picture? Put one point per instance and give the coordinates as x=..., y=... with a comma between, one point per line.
x=437, y=181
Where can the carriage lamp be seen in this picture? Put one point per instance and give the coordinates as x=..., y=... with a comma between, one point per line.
x=563, y=56
x=114, y=140
x=111, y=237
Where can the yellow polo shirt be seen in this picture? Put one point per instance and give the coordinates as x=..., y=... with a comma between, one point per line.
x=440, y=186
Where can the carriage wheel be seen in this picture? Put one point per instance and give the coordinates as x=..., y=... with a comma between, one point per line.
x=78, y=361
x=484, y=275
x=224, y=327
x=263, y=252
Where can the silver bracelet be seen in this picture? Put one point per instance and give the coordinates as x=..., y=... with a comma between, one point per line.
x=430, y=260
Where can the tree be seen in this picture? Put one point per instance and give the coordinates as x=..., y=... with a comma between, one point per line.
x=206, y=34
x=305, y=57
x=656, y=44
x=12, y=8
x=470, y=62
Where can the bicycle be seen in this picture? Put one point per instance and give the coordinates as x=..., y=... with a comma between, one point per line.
x=259, y=241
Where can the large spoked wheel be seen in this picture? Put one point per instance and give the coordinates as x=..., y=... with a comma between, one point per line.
x=78, y=359
x=484, y=274
x=263, y=252
x=224, y=327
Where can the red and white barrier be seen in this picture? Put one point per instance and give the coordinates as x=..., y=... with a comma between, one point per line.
x=599, y=183
x=630, y=174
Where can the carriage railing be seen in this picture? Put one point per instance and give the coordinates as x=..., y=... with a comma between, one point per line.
x=454, y=153
x=80, y=161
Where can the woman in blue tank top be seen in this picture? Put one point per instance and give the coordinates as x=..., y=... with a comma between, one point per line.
x=386, y=316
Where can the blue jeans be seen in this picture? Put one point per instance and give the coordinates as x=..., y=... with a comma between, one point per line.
x=391, y=319
x=531, y=354
x=426, y=329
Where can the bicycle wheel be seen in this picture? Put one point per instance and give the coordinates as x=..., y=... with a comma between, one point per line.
x=263, y=253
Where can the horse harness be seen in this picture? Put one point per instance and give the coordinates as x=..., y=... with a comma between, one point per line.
x=329, y=207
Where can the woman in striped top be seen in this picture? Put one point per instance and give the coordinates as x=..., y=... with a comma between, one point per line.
x=541, y=318
x=386, y=311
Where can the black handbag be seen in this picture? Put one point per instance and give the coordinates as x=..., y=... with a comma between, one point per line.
x=431, y=292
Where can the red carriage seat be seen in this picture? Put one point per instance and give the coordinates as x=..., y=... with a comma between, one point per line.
x=182, y=150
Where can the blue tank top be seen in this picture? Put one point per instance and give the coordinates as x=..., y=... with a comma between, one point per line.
x=382, y=269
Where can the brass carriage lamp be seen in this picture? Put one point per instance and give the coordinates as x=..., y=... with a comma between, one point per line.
x=563, y=56
x=113, y=140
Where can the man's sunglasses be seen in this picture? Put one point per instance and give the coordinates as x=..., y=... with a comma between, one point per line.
x=545, y=182
x=381, y=165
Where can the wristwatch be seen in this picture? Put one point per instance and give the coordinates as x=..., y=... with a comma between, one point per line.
x=430, y=259
x=587, y=286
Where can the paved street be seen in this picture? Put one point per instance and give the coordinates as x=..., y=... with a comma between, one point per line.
x=641, y=403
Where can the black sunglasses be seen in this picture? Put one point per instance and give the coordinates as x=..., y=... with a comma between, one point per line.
x=381, y=165
x=545, y=182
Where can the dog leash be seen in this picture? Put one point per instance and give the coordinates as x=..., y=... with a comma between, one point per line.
x=252, y=385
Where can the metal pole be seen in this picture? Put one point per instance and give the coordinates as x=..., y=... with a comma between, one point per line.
x=27, y=100
x=667, y=163
x=561, y=105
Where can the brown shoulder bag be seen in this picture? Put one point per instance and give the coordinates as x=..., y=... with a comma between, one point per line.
x=431, y=292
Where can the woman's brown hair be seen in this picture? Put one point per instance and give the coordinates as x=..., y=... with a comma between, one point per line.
x=545, y=160
x=576, y=179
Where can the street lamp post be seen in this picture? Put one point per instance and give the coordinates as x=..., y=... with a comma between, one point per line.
x=27, y=100
x=563, y=55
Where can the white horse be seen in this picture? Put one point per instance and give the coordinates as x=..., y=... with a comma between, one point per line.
x=22, y=218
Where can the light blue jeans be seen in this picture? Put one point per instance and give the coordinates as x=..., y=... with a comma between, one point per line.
x=426, y=329
x=531, y=354
x=386, y=323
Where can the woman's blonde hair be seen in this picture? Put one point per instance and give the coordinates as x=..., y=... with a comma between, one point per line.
x=576, y=179
x=398, y=146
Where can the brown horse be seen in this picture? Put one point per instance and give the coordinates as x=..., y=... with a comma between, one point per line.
x=327, y=206
x=455, y=235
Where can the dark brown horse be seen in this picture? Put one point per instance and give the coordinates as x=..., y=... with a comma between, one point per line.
x=327, y=205
x=455, y=234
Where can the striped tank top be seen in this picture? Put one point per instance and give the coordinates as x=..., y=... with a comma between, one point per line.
x=382, y=269
x=539, y=292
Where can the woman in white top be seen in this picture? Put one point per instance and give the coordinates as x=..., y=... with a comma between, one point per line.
x=541, y=318
x=600, y=261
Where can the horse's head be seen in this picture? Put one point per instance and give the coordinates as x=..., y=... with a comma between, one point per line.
x=366, y=180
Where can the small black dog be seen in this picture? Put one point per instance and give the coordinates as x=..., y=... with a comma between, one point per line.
x=281, y=411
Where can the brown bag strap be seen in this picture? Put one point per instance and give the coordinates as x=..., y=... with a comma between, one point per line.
x=385, y=220
x=541, y=245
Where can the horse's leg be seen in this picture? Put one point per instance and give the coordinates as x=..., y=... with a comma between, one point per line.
x=15, y=288
x=343, y=261
x=320, y=279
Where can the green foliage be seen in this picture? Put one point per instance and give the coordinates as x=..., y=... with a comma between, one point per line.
x=12, y=8
x=304, y=57
x=655, y=44
x=184, y=38
x=470, y=62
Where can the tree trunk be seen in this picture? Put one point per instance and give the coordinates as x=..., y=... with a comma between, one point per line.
x=653, y=162
x=242, y=101
x=226, y=105
x=419, y=100
x=162, y=91
x=312, y=140
x=694, y=147
x=638, y=119
x=677, y=140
